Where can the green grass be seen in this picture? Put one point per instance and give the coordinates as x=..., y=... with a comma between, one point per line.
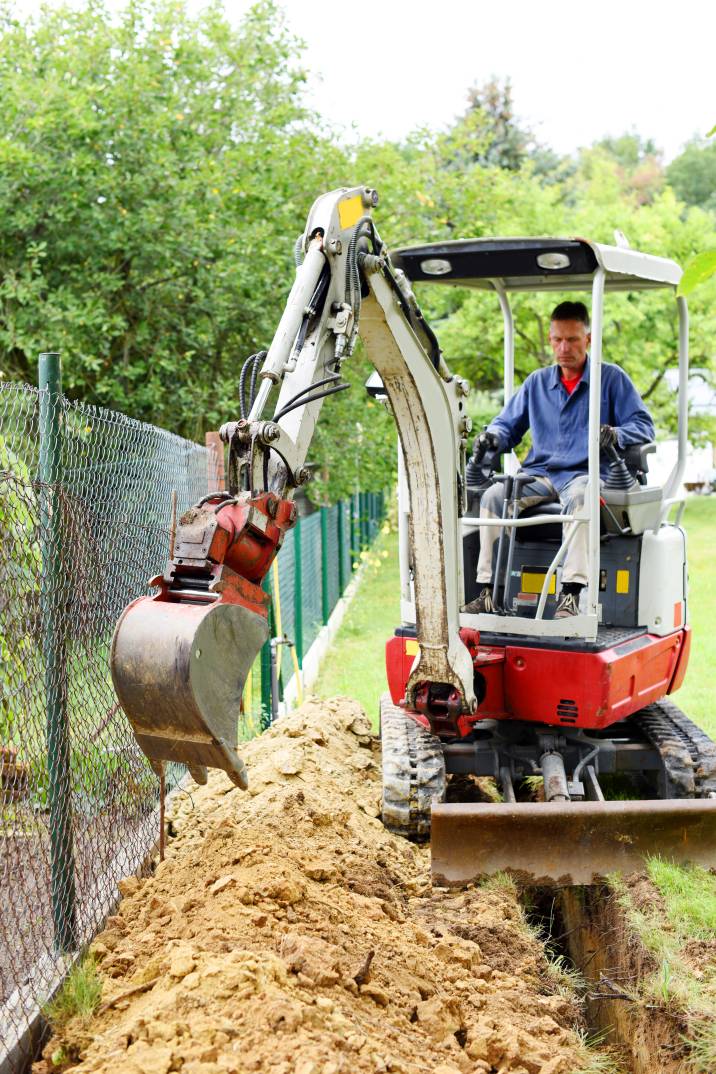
x=79, y=995
x=690, y=896
x=687, y=914
x=696, y=697
x=355, y=665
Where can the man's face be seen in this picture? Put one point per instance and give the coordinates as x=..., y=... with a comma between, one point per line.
x=570, y=343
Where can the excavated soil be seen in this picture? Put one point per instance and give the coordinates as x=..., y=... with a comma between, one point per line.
x=287, y=931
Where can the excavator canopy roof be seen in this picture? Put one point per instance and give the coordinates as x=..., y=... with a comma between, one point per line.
x=535, y=264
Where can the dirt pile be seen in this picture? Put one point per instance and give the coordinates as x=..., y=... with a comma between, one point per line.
x=288, y=932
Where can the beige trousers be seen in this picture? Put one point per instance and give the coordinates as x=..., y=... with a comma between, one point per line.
x=538, y=490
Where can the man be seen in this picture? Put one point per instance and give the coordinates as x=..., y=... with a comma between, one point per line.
x=553, y=403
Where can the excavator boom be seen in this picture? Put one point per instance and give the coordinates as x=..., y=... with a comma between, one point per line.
x=180, y=658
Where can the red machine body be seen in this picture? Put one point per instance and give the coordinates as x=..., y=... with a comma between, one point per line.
x=229, y=546
x=561, y=687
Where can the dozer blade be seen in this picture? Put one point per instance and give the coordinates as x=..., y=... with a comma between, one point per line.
x=567, y=843
x=179, y=670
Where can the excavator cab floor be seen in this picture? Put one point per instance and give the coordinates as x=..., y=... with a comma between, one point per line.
x=567, y=843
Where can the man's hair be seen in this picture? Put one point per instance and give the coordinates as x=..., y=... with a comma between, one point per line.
x=571, y=311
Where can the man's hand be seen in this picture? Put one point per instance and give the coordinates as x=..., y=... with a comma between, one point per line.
x=483, y=443
x=607, y=437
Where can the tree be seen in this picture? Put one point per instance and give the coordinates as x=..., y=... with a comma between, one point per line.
x=501, y=141
x=156, y=168
x=692, y=175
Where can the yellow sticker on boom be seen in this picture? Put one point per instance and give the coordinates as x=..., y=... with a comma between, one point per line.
x=532, y=582
x=411, y=647
x=350, y=211
x=622, y=581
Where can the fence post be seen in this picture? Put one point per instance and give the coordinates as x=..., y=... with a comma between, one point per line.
x=363, y=519
x=216, y=478
x=325, y=595
x=341, y=546
x=298, y=593
x=352, y=537
x=59, y=790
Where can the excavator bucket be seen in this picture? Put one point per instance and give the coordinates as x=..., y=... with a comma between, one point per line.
x=567, y=843
x=179, y=671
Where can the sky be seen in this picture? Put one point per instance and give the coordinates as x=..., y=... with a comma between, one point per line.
x=579, y=71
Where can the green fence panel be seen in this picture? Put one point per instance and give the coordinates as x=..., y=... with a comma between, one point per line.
x=312, y=602
x=332, y=555
x=84, y=525
x=286, y=574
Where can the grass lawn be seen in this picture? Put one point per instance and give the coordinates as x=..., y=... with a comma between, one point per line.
x=356, y=664
x=697, y=697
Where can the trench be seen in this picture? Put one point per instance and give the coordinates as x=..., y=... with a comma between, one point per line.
x=585, y=930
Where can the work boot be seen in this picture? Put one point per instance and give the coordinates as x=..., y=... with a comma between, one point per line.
x=481, y=603
x=568, y=605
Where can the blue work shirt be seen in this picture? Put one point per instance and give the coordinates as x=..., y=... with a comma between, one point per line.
x=560, y=421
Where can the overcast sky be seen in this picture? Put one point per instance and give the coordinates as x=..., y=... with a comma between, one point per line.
x=579, y=70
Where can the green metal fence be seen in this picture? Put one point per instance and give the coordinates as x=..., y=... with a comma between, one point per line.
x=85, y=506
x=315, y=564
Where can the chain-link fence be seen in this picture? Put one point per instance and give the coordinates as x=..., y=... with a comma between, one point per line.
x=315, y=564
x=85, y=503
x=85, y=509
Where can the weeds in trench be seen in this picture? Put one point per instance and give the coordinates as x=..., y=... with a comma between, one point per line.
x=702, y=1043
x=499, y=882
x=566, y=979
x=683, y=916
x=596, y=1062
x=562, y=975
x=79, y=995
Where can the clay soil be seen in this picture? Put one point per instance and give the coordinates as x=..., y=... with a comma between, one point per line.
x=287, y=931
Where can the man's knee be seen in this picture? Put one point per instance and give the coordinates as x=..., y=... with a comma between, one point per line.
x=492, y=499
x=572, y=496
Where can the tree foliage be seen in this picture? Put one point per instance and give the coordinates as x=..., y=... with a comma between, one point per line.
x=157, y=167
x=156, y=170
x=692, y=174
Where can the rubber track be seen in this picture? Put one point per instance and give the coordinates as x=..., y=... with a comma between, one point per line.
x=413, y=772
x=687, y=752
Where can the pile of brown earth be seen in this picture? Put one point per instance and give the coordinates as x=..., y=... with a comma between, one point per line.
x=287, y=931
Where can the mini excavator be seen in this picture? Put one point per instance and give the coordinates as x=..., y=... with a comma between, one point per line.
x=509, y=694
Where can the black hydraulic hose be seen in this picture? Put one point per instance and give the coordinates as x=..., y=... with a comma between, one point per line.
x=501, y=544
x=258, y=360
x=253, y=361
x=304, y=391
x=242, y=388
x=364, y=228
x=311, y=399
x=519, y=481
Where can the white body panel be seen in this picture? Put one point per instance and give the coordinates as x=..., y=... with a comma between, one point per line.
x=662, y=580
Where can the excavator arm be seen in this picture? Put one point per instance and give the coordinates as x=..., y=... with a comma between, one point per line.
x=180, y=657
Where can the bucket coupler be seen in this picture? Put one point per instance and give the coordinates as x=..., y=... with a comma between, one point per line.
x=180, y=658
